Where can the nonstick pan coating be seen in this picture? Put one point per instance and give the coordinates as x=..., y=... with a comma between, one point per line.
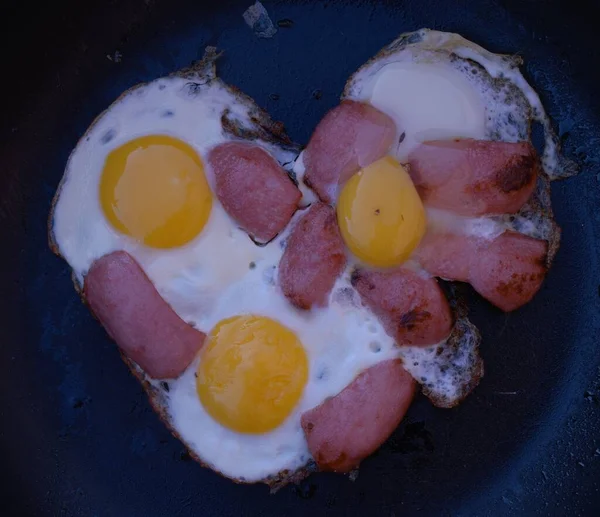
x=78, y=437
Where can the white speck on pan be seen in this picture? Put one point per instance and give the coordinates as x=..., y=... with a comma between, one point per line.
x=258, y=20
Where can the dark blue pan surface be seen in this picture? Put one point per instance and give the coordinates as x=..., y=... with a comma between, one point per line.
x=78, y=437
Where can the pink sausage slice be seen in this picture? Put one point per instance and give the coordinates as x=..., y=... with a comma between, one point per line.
x=474, y=177
x=349, y=137
x=133, y=313
x=507, y=270
x=412, y=308
x=254, y=190
x=347, y=428
x=313, y=258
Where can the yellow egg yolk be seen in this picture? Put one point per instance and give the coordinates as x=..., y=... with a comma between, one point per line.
x=380, y=214
x=153, y=188
x=251, y=374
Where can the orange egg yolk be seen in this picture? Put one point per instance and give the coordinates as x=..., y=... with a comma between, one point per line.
x=153, y=188
x=251, y=374
x=380, y=214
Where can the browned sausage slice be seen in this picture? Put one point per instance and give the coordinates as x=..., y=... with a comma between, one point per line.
x=254, y=190
x=345, y=429
x=411, y=307
x=348, y=138
x=507, y=270
x=511, y=270
x=474, y=177
x=313, y=258
x=133, y=313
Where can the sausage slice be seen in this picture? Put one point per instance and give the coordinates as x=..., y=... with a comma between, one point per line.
x=313, y=258
x=143, y=325
x=345, y=429
x=254, y=190
x=348, y=138
x=474, y=177
x=508, y=270
x=412, y=308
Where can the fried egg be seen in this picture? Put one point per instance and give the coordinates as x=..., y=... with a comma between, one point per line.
x=438, y=85
x=451, y=87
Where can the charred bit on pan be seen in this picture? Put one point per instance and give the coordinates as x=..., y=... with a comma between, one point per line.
x=305, y=490
x=185, y=455
x=416, y=438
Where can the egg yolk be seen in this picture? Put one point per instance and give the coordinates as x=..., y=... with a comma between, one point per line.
x=153, y=188
x=251, y=374
x=380, y=214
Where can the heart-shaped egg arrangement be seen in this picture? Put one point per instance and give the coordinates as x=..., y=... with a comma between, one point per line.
x=281, y=307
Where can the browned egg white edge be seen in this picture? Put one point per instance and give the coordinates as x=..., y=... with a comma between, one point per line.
x=462, y=329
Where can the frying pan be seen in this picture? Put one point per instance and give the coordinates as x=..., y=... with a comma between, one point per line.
x=78, y=437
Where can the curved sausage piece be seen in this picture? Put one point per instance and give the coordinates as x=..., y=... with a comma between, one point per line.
x=511, y=270
x=345, y=429
x=348, y=138
x=507, y=271
x=254, y=190
x=474, y=177
x=412, y=309
x=133, y=313
x=313, y=258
